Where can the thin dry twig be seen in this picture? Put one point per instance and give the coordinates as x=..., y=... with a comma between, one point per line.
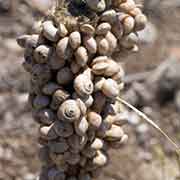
x=147, y=119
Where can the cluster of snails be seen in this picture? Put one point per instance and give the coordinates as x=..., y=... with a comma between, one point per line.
x=74, y=85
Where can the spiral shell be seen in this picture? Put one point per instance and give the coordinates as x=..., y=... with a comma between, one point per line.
x=112, y=40
x=97, y=144
x=81, y=126
x=94, y=119
x=103, y=46
x=47, y=132
x=69, y=111
x=90, y=44
x=75, y=39
x=64, y=76
x=50, y=31
x=83, y=85
x=97, y=5
x=100, y=159
x=140, y=22
x=109, y=16
x=103, y=28
x=87, y=29
x=42, y=53
x=81, y=56
x=62, y=30
x=75, y=68
x=128, y=24
x=127, y=6
x=63, y=49
x=58, y=97
x=115, y=133
x=110, y=88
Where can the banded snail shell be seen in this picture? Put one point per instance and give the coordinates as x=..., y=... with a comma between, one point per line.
x=81, y=56
x=110, y=88
x=100, y=159
x=83, y=85
x=103, y=28
x=87, y=29
x=94, y=119
x=90, y=44
x=97, y=5
x=75, y=39
x=69, y=111
x=50, y=31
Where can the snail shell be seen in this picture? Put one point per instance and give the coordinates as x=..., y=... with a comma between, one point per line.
x=86, y=100
x=69, y=111
x=47, y=132
x=103, y=28
x=129, y=41
x=50, y=31
x=99, y=59
x=110, y=88
x=81, y=126
x=117, y=27
x=44, y=116
x=140, y=22
x=103, y=46
x=64, y=76
x=99, y=68
x=58, y=147
x=88, y=152
x=75, y=39
x=115, y=133
x=109, y=16
x=41, y=101
x=119, y=144
x=97, y=144
x=127, y=6
x=58, y=98
x=54, y=174
x=82, y=106
x=96, y=5
x=77, y=143
x=63, y=49
x=72, y=158
x=134, y=12
x=112, y=68
x=81, y=56
x=99, y=102
x=94, y=119
x=42, y=54
x=75, y=68
x=100, y=159
x=63, y=129
x=88, y=73
x=55, y=62
x=98, y=83
x=83, y=85
x=90, y=44
x=21, y=40
x=50, y=88
x=62, y=30
x=118, y=77
x=87, y=29
x=128, y=24
x=112, y=41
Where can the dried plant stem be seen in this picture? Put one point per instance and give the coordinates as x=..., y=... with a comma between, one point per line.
x=147, y=119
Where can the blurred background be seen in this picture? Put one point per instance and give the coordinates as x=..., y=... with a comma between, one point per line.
x=152, y=85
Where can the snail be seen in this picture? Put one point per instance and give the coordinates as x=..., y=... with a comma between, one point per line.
x=81, y=126
x=69, y=111
x=58, y=97
x=87, y=29
x=75, y=39
x=63, y=129
x=100, y=159
x=81, y=56
x=90, y=44
x=63, y=48
x=97, y=5
x=109, y=16
x=47, y=132
x=64, y=76
x=62, y=30
x=140, y=22
x=50, y=31
x=83, y=85
x=103, y=28
x=97, y=144
x=94, y=119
